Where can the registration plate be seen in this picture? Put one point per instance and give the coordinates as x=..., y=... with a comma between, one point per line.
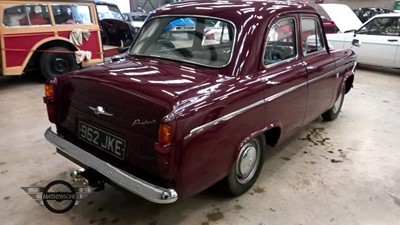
x=102, y=140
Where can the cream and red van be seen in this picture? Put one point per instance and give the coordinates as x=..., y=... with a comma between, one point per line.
x=50, y=36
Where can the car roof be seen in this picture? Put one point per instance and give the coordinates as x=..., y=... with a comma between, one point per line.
x=372, y=8
x=394, y=14
x=237, y=11
x=136, y=13
x=104, y=3
x=35, y=1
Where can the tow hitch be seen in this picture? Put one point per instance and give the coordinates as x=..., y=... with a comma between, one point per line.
x=89, y=177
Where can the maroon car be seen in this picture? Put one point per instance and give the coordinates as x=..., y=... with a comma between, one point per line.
x=183, y=112
x=329, y=26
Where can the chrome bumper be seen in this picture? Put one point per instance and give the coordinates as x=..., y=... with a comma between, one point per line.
x=133, y=184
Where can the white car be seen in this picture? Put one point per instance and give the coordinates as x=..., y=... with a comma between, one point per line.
x=378, y=39
x=135, y=18
x=217, y=34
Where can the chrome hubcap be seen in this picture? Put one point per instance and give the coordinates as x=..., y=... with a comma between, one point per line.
x=247, y=162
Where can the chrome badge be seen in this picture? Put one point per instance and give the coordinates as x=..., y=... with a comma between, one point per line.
x=99, y=110
x=143, y=122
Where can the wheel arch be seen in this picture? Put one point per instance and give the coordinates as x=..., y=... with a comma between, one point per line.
x=270, y=134
x=349, y=83
x=245, y=170
x=37, y=50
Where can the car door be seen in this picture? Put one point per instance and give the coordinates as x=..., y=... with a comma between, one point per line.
x=319, y=65
x=379, y=42
x=284, y=75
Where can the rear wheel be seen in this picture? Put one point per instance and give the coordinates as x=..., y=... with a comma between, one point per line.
x=333, y=112
x=57, y=61
x=246, y=169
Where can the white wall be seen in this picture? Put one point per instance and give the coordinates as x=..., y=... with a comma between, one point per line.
x=123, y=5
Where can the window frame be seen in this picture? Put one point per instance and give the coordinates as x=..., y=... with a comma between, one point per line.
x=232, y=49
x=296, y=47
x=321, y=32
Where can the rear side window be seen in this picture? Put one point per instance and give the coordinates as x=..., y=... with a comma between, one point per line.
x=26, y=15
x=281, y=42
x=311, y=36
x=71, y=14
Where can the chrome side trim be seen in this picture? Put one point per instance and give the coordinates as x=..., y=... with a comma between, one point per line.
x=322, y=77
x=277, y=95
x=354, y=68
x=133, y=184
x=229, y=116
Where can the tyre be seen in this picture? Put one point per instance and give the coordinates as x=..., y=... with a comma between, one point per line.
x=333, y=112
x=56, y=61
x=246, y=168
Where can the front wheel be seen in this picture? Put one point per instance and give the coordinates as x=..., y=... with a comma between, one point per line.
x=57, y=60
x=333, y=112
x=246, y=168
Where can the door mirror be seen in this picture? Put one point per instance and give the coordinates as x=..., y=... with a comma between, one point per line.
x=356, y=43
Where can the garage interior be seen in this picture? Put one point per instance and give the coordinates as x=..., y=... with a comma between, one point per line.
x=341, y=172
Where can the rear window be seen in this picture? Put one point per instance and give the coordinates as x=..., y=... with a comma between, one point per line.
x=199, y=40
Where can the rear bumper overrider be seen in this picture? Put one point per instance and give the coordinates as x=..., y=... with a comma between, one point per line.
x=133, y=184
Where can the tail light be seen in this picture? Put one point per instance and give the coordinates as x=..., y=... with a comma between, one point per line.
x=210, y=36
x=48, y=99
x=49, y=91
x=164, y=134
x=163, y=146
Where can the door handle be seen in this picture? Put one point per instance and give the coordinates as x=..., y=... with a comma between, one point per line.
x=393, y=40
x=271, y=83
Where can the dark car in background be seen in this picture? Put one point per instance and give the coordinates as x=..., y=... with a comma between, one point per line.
x=115, y=30
x=365, y=14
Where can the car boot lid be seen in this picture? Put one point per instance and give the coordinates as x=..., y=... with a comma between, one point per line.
x=161, y=80
x=343, y=16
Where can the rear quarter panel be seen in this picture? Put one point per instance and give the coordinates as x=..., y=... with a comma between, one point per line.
x=345, y=60
x=212, y=130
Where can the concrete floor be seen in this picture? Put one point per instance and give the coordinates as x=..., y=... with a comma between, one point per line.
x=341, y=172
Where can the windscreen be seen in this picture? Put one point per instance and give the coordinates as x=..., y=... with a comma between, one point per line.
x=109, y=12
